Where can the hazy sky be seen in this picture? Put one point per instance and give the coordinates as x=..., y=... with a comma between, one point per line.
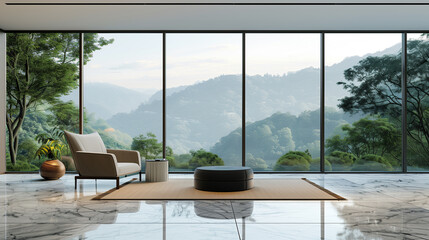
x=135, y=60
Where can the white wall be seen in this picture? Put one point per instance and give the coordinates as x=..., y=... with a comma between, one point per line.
x=2, y=102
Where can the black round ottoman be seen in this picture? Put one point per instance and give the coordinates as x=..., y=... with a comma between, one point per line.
x=223, y=178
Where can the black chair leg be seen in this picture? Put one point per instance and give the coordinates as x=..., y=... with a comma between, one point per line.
x=75, y=183
x=117, y=183
x=140, y=176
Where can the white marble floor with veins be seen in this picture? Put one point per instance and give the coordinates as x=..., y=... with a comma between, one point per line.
x=378, y=206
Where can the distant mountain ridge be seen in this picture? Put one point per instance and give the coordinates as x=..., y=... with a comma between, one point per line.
x=106, y=100
x=158, y=95
x=198, y=116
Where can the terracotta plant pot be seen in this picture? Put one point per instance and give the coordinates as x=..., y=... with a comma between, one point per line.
x=52, y=169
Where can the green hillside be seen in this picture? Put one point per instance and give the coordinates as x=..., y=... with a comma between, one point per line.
x=280, y=133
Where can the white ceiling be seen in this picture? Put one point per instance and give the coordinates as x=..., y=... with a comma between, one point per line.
x=223, y=17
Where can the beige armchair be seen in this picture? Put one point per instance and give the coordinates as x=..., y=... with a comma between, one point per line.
x=94, y=161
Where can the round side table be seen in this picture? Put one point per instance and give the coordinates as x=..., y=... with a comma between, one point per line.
x=156, y=170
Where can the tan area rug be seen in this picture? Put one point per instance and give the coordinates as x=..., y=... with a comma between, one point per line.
x=183, y=189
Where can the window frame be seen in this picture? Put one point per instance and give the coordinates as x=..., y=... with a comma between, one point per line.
x=244, y=32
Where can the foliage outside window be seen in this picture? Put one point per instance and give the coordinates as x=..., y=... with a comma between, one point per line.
x=370, y=139
x=418, y=102
x=41, y=68
x=362, y=115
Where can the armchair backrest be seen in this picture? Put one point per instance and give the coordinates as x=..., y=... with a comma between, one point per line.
x=84, y=142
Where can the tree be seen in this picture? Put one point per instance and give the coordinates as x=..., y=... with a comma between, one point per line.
x=41, y=67
x=204, y=158
x=336, y=143
x=65, y=116
x=182, y=160
x=372, y=162
x=375, y=88
x=369, y=135
x=169, y=155
x=315, y=165
x=148, y=146
x=228, y=147
x=341, y=160
x=293, y=161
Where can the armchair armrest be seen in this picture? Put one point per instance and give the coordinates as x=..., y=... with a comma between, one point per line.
x=126, y=156
x=94, y=164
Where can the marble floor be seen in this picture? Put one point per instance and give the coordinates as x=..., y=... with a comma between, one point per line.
x=378, y=206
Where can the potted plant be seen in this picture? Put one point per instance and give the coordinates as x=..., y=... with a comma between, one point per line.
x=57, y=134
x=52, y=168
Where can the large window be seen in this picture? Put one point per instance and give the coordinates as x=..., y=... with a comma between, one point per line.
x=418, y=102
x=123, y=93
x=363, y=102
x=127, y=74
x=282, y=102
x=203, y=99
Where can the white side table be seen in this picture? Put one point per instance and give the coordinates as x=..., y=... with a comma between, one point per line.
x=156, y=170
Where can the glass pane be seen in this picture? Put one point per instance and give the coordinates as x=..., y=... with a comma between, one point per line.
x=123, y=89
x=363, y=102
x=42, y=73
x=204, y=99
x=282, y=102
x=417, y=102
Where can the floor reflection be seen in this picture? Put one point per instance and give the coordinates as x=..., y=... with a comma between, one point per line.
x=221, y=209
x=378, y=207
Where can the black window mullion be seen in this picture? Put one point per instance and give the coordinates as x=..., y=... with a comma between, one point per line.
x=164, y=89
x=81, y=66
x=243, y=108
x=404, y=101
x=322, y=102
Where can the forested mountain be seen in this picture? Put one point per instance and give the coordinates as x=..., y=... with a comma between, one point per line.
x=272, y=137
x=200, y=114
x=196, y=116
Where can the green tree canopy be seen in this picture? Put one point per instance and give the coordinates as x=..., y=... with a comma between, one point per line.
x=341, y=161
x=65, y=116
x=41, y=67
x=182, y=160
x=293, y=161
x=203, y=158
x=371, y=162
x=315, y=165
x=369, y=135
x=148, y=146
x=375, y=88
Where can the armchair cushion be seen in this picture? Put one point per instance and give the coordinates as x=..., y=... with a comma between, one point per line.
x=126, y=155
x=127, y=168
x=85, y=142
